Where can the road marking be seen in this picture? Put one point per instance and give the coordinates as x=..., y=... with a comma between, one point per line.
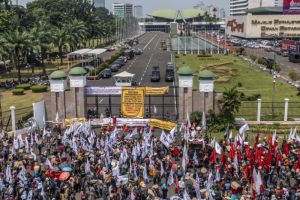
x=149, y=42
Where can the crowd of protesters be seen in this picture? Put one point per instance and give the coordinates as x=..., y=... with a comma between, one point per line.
x=135, y=163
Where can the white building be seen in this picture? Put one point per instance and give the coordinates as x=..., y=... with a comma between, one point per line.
x=99, y=3
x=238, y=7
x=138, y=11
x=264, y=22
x=122, y=9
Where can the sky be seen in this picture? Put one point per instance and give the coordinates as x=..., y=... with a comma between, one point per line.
x=151, y=5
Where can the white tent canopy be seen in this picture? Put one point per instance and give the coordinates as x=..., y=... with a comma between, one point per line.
x=124, y=74
x=95, y=52
x=124, y=79
x=79, y=52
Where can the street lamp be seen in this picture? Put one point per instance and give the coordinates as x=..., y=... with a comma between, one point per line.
x=273, y=96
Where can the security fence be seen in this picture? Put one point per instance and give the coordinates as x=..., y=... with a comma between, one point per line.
x=22, y=115
x=270, y=111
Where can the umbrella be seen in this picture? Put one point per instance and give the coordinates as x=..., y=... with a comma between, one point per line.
x=235, y=185
x=64, y=176
x=64, y=164
x=67, y=169
x=55, y=169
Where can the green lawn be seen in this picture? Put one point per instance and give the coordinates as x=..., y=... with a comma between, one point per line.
x=253, y=80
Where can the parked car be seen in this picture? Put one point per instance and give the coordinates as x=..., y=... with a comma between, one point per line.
x=129, y=54
x=285, y=54
x=115, y=67
x=106, y=73
x=110, y=48
x=155, y=75
x=120, y=62
x=138, y=51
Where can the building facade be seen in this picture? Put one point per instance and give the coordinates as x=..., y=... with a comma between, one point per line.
x=263, y=26
x=239, y=7
x=122, y=9
x=99, y=3
x=138, y=11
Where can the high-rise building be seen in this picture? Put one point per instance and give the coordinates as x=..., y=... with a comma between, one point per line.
x=138, y=11
x=122, y=9
x=238, y=7
x=99, y=3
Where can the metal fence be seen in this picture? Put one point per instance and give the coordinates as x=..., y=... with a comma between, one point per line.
x=163, y=107
x=22, y=114
x=270, y=111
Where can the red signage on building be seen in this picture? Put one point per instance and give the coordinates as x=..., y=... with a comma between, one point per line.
x=291, y=6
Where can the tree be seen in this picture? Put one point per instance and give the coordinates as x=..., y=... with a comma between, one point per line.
x=71, y=33
x=43, y=38
x=20, y=43
x=229, y=105
x=253, y=57
x=277, y=68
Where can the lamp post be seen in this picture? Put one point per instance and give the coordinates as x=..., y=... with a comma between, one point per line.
x=273, y=96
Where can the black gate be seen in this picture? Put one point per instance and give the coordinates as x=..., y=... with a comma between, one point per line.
x=164, y=107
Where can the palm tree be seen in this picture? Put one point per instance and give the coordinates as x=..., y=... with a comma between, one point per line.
x=230, y=104
x=4, y=51
x=43, y=37
x=20, y=43
x=71, y=33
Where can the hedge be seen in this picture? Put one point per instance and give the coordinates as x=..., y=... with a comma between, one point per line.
x=23, y=86
x=39, y=88
x=19, y=91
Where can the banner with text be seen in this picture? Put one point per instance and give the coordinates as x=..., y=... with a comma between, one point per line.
x=133, y=102
x=162, y=124
x=291, y=6
x=156, y=90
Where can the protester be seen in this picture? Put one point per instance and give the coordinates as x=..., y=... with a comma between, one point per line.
x=79, y=162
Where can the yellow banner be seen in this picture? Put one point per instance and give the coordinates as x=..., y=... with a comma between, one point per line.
x=162, y=124
x=133, y=102
x=69, y=122
x=156, y=90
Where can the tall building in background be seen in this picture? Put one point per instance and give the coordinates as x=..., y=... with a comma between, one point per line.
x=238, y=7
x=99, y=3
x=138, y=11
x=122, y=9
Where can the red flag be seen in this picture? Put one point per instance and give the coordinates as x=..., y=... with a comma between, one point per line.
x=223, y=158
x=285, y=148
x=232, y=152
x=278, y=159
x=176, y=185
x=213, y=156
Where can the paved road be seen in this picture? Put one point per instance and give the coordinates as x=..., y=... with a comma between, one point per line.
x=141, y=66
x=286, y=66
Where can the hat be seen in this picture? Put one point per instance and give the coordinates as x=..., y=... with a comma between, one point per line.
x=203, y=170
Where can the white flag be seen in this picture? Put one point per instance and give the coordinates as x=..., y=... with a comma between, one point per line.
x=170, y=178
x=145, y=175
x=162, y=171
x=163, y=139
x=218, y=148
x=236, y=164
x=274, y=138
x=130, y=135
x=203, y=121
x=87, y=167
x=48, y=163
x=244, y=128
x=195, y=158
x=154, y=109
x=186, y=196
x=56, y=117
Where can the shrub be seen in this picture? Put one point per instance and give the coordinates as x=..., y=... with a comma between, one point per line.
x=240, y=84
x=39, y=88
x=94, y=72
x=103, y=65
x=262, y=61
x=176, y=56
x=277, y=68
x=19, y=91
x=253, y=57
x=27, y=116
x=23, y=86
x=293, y=76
